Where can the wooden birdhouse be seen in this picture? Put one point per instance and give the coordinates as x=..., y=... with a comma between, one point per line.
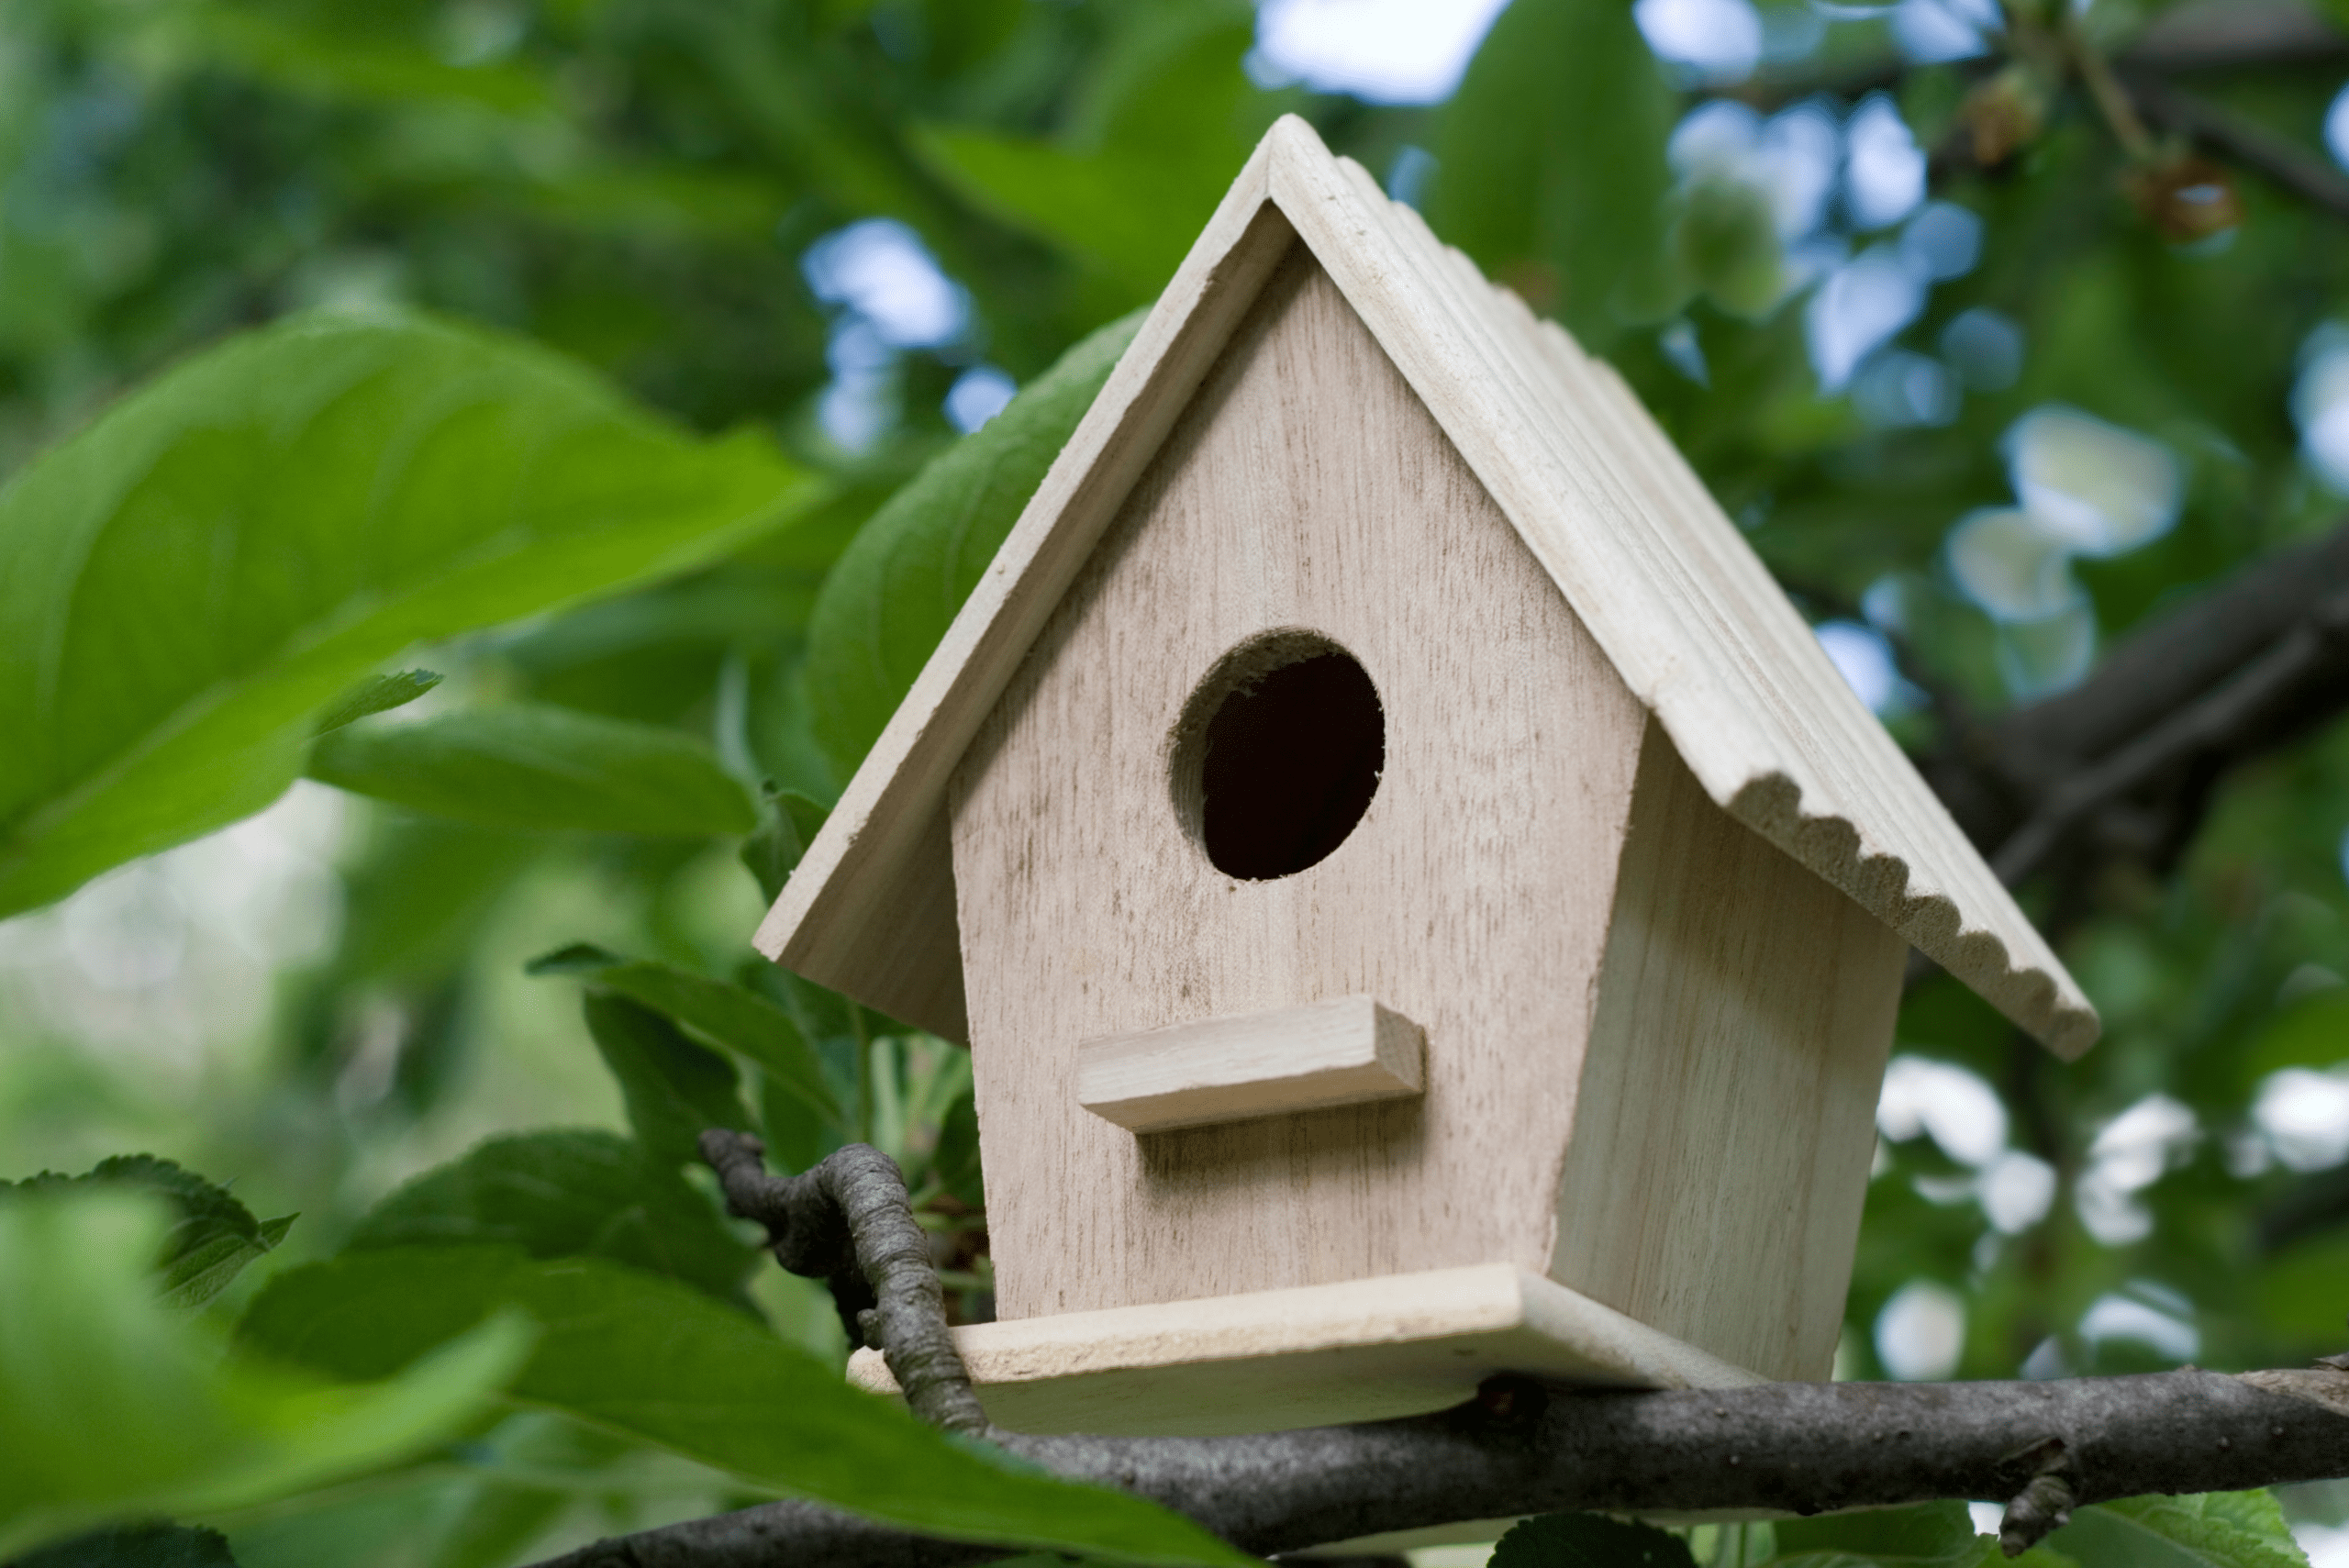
x=1420, y=900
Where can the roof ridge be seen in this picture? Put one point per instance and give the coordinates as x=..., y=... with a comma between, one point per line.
x=1678, y=601
x=1773, y=777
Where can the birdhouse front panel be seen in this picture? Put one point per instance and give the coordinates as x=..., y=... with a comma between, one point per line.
x=1312, y=723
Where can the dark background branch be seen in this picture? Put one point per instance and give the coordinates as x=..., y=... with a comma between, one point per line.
x=2123, y=764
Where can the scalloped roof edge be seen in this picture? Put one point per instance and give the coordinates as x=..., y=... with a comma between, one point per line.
x=1691, y=619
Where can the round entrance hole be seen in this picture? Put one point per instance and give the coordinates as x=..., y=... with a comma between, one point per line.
x=1278, y=754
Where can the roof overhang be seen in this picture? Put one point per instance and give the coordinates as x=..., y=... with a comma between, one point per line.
x=1687, y=612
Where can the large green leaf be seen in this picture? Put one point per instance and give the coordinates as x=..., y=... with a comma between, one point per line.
x=212, y=1236
x=534, y=765
x=656, y=1360
x=1551, y=160
x=2216, y=1530
x=225, y=552
x=675, y=1089
x=895, y=589
x=568, y=1193
x=114, y=1408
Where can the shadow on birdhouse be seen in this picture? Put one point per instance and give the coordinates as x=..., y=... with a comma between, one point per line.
x=1420, y=899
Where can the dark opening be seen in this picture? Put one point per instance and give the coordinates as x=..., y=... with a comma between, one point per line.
x=1288, y=759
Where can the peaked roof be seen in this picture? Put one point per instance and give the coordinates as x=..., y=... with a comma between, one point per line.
x=1687, y=612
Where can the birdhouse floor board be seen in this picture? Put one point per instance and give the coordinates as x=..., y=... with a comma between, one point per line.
x=1340, y=1051
x=1314, y=1355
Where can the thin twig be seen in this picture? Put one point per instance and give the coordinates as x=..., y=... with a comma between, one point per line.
x=2298, y=169
x=2243, y=35
x=2238, y=707
x=850, y=1214
x=2111, y=99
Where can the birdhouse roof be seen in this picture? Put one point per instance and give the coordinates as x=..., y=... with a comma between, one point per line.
x=1684, y=608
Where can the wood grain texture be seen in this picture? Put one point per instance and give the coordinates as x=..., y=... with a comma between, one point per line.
x=1304, y=487
x=869, y=910
x=1343, y=1050
x=1687, y=613
x=1268, y=1360
x=1725, y=1122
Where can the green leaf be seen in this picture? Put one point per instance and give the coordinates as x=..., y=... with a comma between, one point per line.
x=1551, y=169
x=675, y=1089
x=731, y=1017
x=1102, y=204
x=788, y=822
x=897, y=586
x=533, y=765
x=379, y=693
x=2216, y=1530
x=1589, y=1540
x=955, y=1163
x=113, y=1407
x=416, y=904
x=569, y=1194
x=136, y=1546
x=1928, y=1535
x=1153, y=141
x=2303, y=1291
x=212, y=1236
x=658, y=1360
x=2314, y=1032
x=187, y=583
x=362, y=63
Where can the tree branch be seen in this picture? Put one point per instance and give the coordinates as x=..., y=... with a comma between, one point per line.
x=2125, y=761
x=2298, y=168
x=850, y=1216
x=1520, y=1447
x=2229, y=718
x=2233, y=35
x=1790, y=1448
x=2237, y=35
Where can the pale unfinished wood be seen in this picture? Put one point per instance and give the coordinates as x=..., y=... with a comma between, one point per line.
x=1725, y=1125
x=1685, y=611
x=1341, y=1050
x=1304, y=487
x=869, y=908
x=1363, y=1350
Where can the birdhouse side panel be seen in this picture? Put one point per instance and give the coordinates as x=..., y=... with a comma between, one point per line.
x=1726, y=1118
x=1303, y=490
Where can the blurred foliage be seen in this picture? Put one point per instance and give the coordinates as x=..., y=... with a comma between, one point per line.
x=303, y=300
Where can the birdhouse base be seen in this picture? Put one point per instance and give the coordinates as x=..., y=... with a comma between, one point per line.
x=1311, y=1356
